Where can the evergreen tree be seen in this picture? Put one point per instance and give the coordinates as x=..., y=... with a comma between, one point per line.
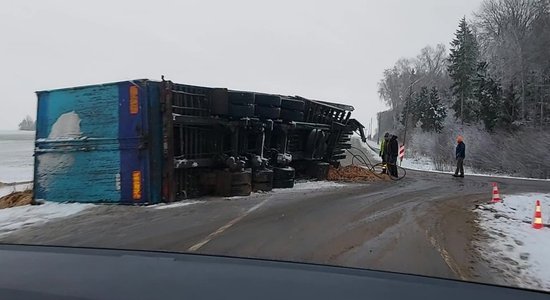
x=27, y=124
x=434, y=113
x=462, y=70
x=417, y=105
x=511, y=108
x=488, y=93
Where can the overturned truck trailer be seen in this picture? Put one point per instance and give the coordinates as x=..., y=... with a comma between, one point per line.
x=145, y=141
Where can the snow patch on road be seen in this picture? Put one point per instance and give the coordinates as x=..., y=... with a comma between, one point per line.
x=313, y=185
x=15, y=218
x=174, y=205
x=514, y=247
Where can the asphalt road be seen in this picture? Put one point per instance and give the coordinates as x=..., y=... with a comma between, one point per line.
x=423, y=224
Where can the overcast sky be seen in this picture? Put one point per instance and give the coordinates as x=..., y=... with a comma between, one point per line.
x=327, y=50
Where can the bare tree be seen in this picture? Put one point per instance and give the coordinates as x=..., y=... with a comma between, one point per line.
x=503, y=28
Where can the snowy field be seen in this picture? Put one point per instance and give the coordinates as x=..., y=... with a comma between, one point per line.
x=15, y=218
x=8, y=189
x=16, y=155
x=514, y=247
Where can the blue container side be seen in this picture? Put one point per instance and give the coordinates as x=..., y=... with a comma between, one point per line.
x=88, y=144
x=134, y=150
x=155, y=140
x=70, y=164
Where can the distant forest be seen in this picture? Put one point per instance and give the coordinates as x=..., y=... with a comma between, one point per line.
x=492, y=86
x=27, y=124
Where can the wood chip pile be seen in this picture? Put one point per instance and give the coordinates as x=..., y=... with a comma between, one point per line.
x=16, y=199
x=351, y=173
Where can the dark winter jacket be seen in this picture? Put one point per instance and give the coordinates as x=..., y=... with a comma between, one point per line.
x=393, y=147
x=460, y=150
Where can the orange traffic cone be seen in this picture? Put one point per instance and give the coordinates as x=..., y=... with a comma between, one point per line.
x=537, y=220
x=496, y=194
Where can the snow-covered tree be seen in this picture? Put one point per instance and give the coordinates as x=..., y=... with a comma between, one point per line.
x=511, y=108
x=434, y=114
x=487, y=91
x=27, y=124
x=462, y=70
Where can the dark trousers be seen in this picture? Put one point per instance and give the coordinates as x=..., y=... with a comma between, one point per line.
x=384, y=161
x=393, y=167
x=460, y=166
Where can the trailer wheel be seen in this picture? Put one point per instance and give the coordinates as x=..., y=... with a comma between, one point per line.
x=262, y=176
x=267, y=112
x=241, y=111
x=293, y=104
x=239, y=178
x=283, y=184
x=292, y=115
x=241, y=98
x=268, y=100
x=283, y=173
x=262, y=186
x=318, y=170
x=241, y=190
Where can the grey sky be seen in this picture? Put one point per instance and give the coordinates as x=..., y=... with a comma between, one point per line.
x=327, y=50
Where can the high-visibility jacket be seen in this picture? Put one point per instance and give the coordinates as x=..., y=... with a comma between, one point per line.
x=383, y=147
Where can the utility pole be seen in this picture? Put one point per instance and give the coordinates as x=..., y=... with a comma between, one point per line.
x=379, y=116
x=370, y=129
x=407, y=104
x=543, y=87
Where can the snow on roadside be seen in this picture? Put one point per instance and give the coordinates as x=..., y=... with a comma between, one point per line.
x=15, y=218
x=313, y=185
x=422, y=163
x=173, y=205
x=514, y=247
x=8, y=189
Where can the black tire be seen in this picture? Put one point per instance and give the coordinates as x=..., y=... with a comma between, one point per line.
x=239, y=178
x=268, y=100
x=283, y=173
x=292, y=115
x=293, y=104
x=283, y=184
x=262, y=176
x=267, y=112
x=262, y=186
x=318, y=170
x=241, y=98
x=241, y=190
x=241, y=111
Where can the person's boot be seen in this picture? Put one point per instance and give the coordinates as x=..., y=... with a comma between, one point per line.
x=456, y=175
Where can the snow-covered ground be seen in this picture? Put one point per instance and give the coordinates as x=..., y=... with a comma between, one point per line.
x=16, y=155
x=8, y=189
x=514, y=247
x=15, y=218
x=313, y=185
x=173, y=205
